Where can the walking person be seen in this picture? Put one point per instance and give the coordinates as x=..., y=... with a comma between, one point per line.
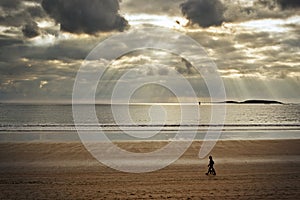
x=211, y=169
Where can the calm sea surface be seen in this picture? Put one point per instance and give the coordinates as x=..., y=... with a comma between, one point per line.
x=36, y=122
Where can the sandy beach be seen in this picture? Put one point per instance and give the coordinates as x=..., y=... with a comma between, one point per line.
x=245, y=170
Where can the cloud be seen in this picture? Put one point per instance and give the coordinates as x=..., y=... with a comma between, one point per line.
x=7, y=41
x=31, y=30
x=162, y=7
x=281, y=4
x=76, y=49
x=244, y=51
x=13, y=19
x=86, y=16
x=23, y=78
x=10, y=4
x=268, y=9
x=36, y=11
x=250, y=52
x=285, y=4
x=205, y=13
x=20, y=10
x=208, y=13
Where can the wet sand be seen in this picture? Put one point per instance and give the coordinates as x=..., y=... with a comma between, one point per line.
x=245, y=170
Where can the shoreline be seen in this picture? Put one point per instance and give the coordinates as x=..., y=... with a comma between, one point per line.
x=119, y=136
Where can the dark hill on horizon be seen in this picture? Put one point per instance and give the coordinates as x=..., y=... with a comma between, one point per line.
x=255, y=101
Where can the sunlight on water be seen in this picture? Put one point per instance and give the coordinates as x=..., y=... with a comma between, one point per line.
x=242, y=121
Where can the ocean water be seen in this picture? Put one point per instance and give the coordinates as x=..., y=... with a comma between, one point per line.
x=55, y=122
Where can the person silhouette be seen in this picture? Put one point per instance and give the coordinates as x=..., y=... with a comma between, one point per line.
x=211, y=169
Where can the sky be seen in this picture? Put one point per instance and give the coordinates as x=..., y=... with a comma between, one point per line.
x=255, y=45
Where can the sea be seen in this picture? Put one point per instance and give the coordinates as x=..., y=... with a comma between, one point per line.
x=55, y=123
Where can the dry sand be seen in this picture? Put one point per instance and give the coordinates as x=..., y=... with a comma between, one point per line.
x=245, y=170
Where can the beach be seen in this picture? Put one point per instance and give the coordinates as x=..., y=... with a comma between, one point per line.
x=246, y=169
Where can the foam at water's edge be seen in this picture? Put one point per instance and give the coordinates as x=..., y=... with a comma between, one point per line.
x=72, y=136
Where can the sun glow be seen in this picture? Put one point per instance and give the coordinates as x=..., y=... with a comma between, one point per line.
x=43, y=84
x=266, y=25
x=50, y=39
x=157, y=20
x=43, y=40
x=46, y=24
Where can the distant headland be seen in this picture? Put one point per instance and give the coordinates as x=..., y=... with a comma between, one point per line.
x=254, y=101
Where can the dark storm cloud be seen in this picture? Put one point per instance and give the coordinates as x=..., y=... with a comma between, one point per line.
x=86, y=16
x=208, y=13
x=31, y=30
x=16, y=14
x=205, y=13
x=285, y=4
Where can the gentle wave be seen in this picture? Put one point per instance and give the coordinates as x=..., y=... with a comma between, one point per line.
x=145, y=127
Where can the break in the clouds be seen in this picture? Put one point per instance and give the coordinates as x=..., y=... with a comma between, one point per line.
x=169, y=7
x=89, y=16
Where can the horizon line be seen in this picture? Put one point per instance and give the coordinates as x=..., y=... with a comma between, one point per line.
x=143, y=103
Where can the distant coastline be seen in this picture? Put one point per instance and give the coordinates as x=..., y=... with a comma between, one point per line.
x=254, y=101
